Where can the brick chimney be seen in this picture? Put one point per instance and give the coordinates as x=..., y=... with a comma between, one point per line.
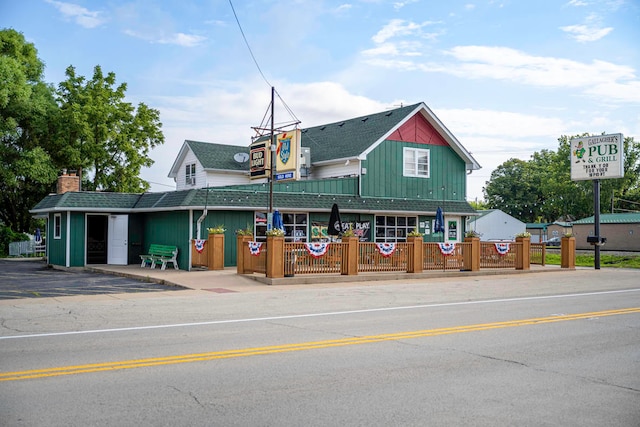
x=68, y=182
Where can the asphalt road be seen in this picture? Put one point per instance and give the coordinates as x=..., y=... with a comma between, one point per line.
x=555, y=349
x=33, y=279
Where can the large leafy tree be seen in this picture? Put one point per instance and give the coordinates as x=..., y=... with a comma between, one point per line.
x=27, y=109
x=541, y=190
x=105, y=137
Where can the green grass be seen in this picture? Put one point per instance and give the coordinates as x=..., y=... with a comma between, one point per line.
x=618, y=261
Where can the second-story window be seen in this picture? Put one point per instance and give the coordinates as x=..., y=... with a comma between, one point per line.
x=190, y=174
x=416, y=162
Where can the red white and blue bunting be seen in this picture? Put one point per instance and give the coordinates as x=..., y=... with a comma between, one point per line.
x=386, y=249
x=502, y=248
x=317, y=249
x=447, y=248
x=255, y=248
x=199, y=243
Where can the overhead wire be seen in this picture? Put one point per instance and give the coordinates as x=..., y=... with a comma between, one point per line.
x=296, y=121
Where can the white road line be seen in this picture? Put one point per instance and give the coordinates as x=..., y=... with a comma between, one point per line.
x=333, y=313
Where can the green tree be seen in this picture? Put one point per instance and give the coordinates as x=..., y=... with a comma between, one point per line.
x=541, y=189
x=103, y=136
x=27, y=108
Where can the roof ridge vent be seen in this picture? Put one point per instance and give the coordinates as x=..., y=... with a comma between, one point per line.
x=365, y=119
x=389, y=113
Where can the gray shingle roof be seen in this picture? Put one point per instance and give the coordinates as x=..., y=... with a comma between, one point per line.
x=241, y=199
x=218, y=156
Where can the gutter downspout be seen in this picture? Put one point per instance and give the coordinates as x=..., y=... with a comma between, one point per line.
x=203, y=216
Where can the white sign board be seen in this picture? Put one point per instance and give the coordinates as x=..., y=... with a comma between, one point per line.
x=597, y=157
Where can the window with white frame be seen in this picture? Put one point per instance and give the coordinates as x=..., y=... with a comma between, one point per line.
x=190, y=174
x=416, y=162
x=392, y=228
x=57, y=226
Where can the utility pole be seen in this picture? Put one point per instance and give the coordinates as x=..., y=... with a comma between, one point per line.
x=272, y=147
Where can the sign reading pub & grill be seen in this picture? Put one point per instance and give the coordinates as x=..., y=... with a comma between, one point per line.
x=597, y=157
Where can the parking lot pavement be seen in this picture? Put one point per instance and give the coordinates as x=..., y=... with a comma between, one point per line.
x=33, y=279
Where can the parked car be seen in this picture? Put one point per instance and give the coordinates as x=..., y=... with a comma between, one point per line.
x=554, y=241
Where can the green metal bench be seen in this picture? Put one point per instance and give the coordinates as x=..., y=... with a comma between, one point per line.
x=160, y=254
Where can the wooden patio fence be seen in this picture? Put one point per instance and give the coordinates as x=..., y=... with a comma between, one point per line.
x=277, y=258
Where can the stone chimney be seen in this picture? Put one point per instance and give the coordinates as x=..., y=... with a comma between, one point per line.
x=68, y=182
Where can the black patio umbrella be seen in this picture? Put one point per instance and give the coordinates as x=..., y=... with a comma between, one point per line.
x=335, y=224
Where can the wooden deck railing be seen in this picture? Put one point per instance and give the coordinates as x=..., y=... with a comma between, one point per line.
x=353, y=257
x=538, y=254
x=371, y=259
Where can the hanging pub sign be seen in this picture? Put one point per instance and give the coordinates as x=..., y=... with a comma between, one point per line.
x=287, y=155
x=259, y=158
x=597, y=157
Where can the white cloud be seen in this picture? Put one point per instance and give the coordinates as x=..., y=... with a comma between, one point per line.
x=400, y=4
x=82, y=16
x=590, y=31
x=395, y=28
x=180, y=39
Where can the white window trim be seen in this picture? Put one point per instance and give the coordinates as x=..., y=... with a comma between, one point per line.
x=417, y=153
x=190, y=177
x=57, y=226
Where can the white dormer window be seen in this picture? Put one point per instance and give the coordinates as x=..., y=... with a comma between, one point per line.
x=190, y=174
x=416, y=162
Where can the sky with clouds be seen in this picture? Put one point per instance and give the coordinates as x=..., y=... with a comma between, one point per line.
x=507, y=77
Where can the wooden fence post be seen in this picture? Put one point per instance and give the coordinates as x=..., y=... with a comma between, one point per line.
x=568, y=252
x=275, y=257
x=523, y=256
x=471, y=254
x=415, y=255
x=349, y=263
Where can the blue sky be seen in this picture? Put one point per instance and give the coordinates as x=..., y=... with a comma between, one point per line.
x=506, y=77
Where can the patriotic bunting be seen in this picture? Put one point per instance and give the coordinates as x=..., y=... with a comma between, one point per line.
x=200, y=245
x=255, y=248
x=502, y=248
x=317, y=249
x=386, y=249
x=447, y=248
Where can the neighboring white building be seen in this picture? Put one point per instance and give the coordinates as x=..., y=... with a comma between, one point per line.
x=493, y=224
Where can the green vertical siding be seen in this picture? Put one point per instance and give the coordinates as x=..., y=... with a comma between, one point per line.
x=57, y=247
x=168, y=228
x=77, y=240
x=384, y=174
x=232, y=221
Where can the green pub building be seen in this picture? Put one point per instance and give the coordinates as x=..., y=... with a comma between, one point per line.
x=388, y=173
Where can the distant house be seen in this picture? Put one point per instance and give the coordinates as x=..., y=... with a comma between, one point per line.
x=494, y=224
x=388, y=172
x=622, y=231
x=543, y=231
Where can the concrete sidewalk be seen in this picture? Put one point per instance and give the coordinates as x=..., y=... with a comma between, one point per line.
x=228, y=280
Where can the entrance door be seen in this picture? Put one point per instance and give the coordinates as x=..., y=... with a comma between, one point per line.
x=452, y=230
x=117, y=252
x=96, y=239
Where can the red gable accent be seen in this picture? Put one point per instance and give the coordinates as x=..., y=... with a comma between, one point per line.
x=418, y=129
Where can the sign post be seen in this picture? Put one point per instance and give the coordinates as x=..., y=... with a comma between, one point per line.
x=596, y=158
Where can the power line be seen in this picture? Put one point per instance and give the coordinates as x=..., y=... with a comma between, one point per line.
x=247, y=43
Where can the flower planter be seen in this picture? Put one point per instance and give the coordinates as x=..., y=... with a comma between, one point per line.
x=243, y=258
x=216, y=251
x=349, y=264
x=275, y=257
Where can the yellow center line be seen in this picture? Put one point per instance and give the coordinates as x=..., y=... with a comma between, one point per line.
x=226, y=354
